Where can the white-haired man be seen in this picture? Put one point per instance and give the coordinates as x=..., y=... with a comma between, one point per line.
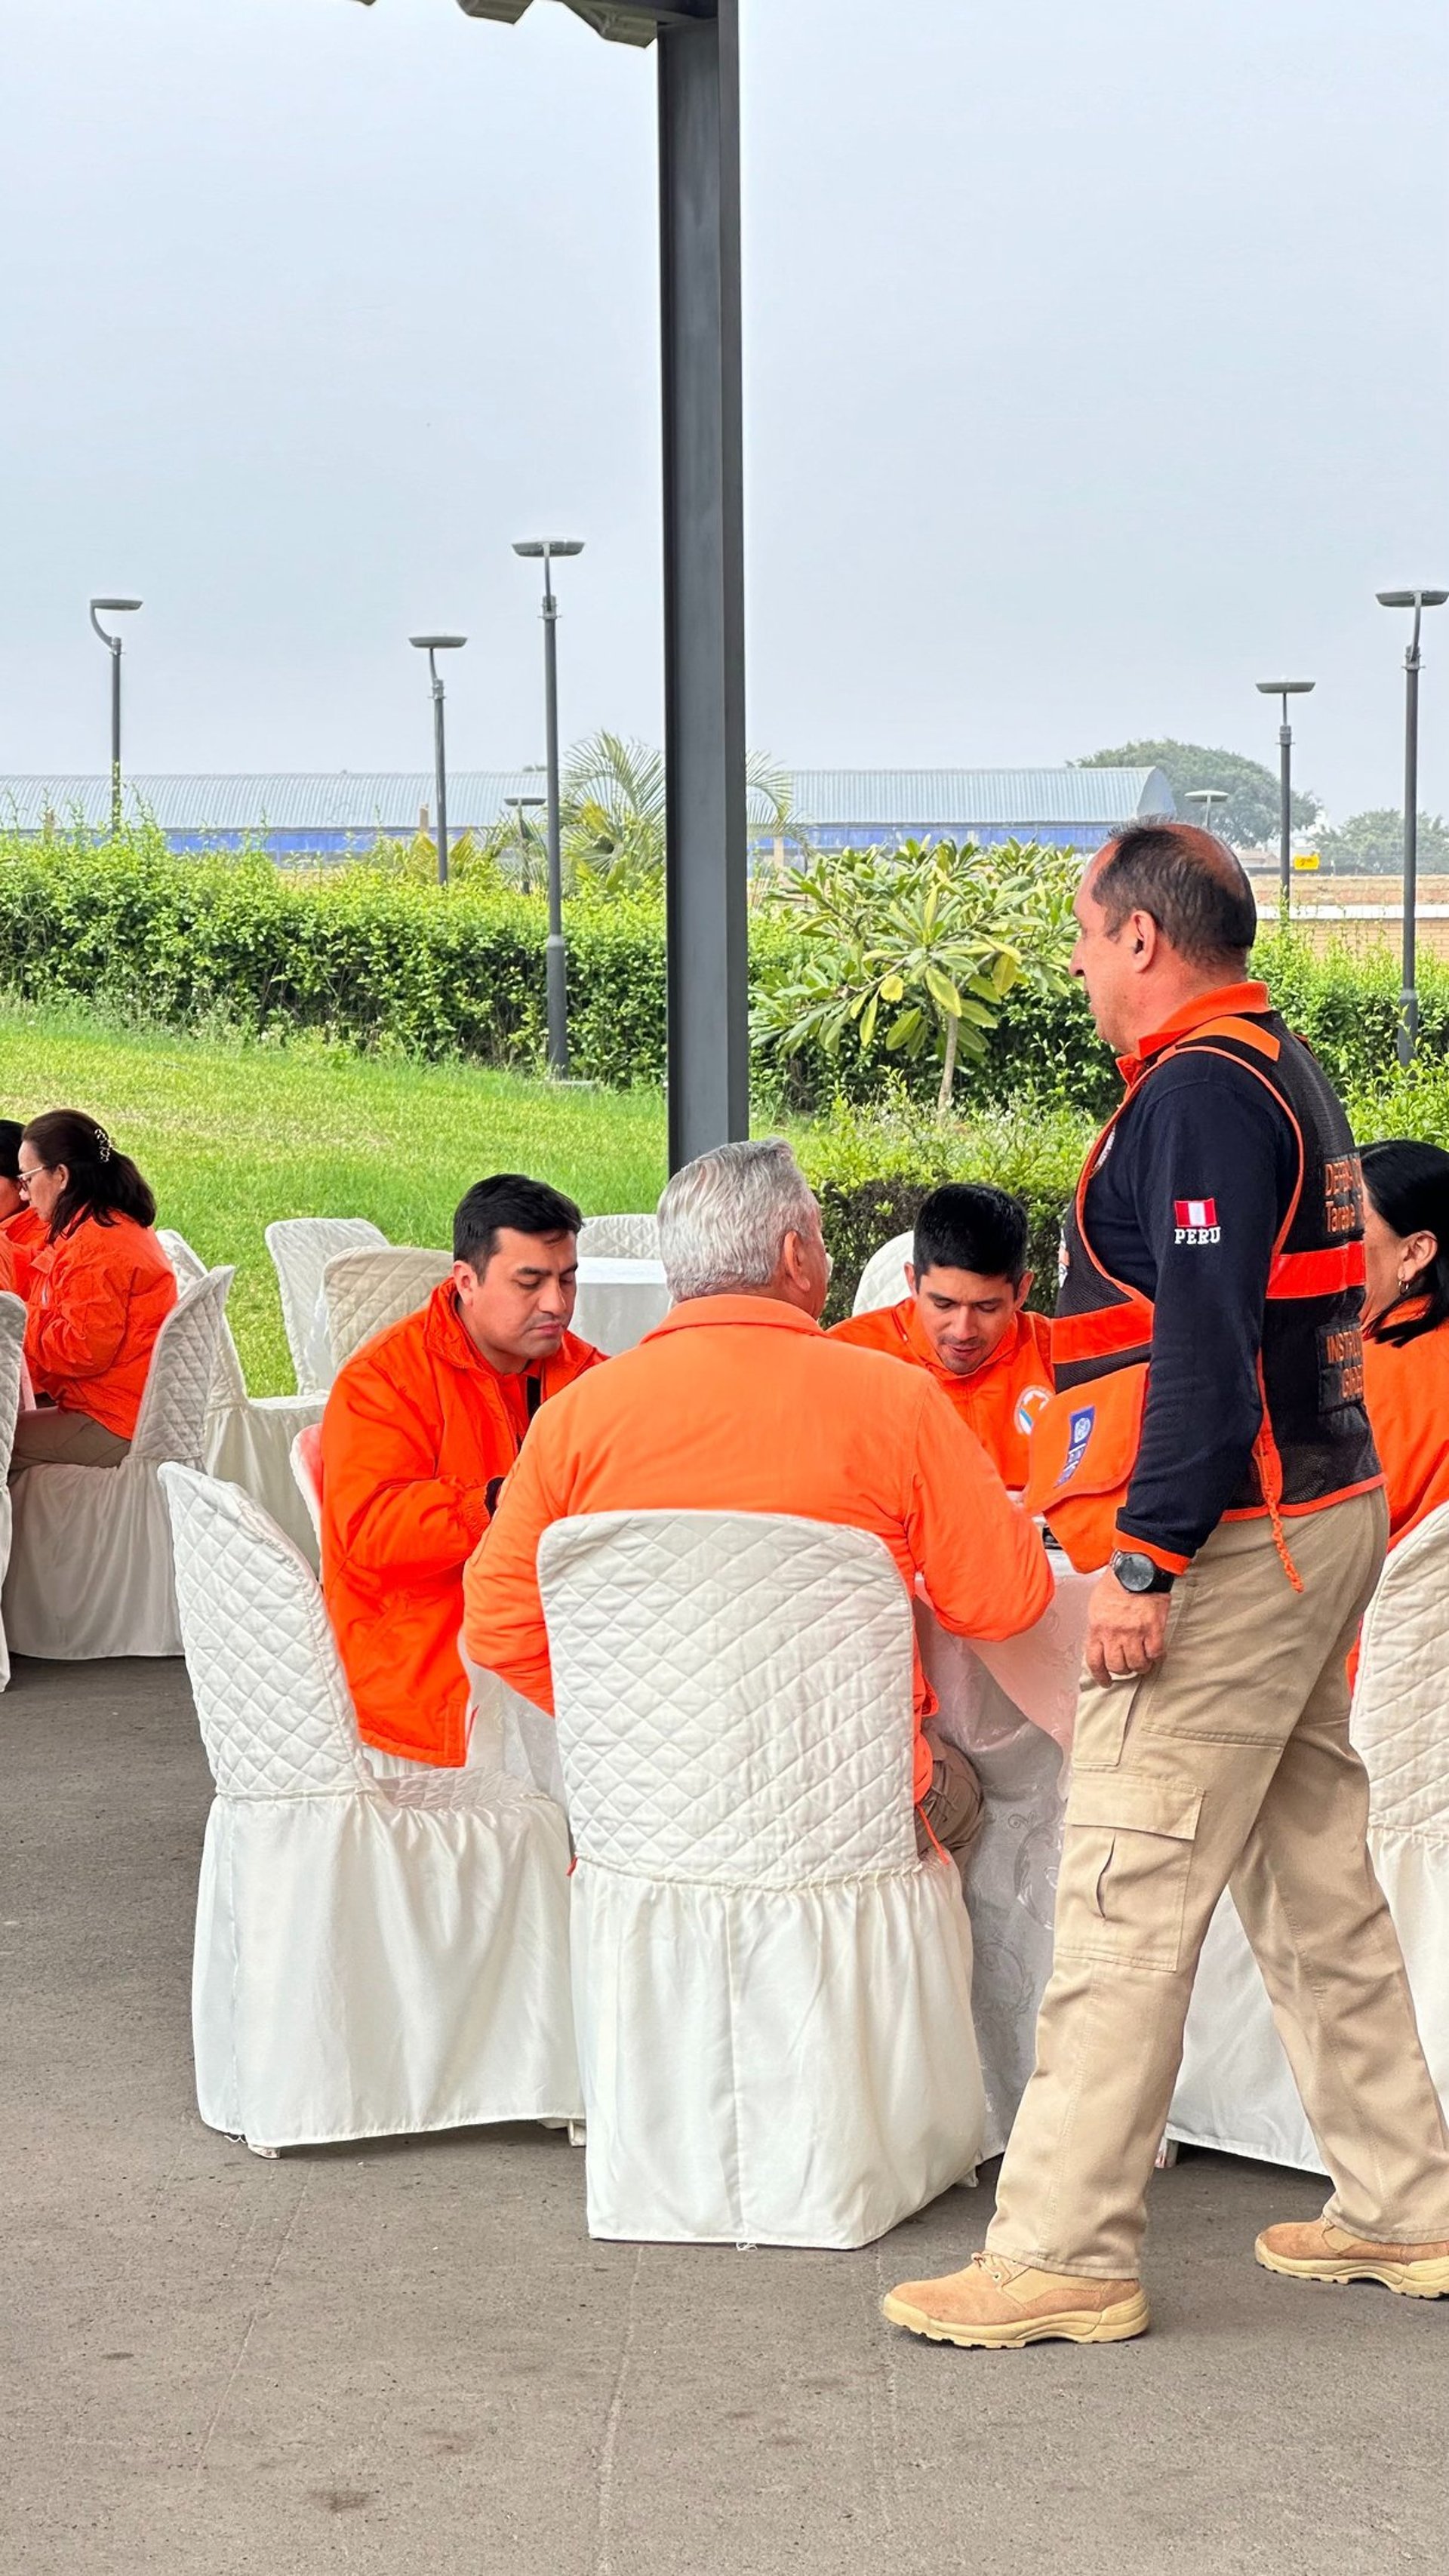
x=739, y=1402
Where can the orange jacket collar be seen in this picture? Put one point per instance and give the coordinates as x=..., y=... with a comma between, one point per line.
x=1222, y=1004
x=771, y=1311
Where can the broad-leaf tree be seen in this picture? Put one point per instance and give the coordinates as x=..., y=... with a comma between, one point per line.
x=919, y=946
x=1250, y=817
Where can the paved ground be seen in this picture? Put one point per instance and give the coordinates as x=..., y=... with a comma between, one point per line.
x=412, y=2359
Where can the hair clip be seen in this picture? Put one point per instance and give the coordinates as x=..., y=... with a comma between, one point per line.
x=103, y=1144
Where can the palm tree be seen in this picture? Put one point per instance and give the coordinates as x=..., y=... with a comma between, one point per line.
x=613, y=809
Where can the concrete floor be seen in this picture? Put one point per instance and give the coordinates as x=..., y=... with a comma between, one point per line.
x=410, y=2358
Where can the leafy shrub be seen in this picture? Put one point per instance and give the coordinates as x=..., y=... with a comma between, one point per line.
x=382, y=960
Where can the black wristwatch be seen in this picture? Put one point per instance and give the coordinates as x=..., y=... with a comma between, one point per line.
x=1137, y=1573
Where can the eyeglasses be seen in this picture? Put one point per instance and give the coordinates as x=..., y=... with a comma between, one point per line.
x=24, y=1179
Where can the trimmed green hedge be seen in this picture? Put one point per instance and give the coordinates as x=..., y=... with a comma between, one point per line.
x=380, y=961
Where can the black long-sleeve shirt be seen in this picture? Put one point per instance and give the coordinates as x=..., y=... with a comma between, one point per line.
x=1186, y=1206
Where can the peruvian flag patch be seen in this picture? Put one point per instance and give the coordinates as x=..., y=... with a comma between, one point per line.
x=1196, y=1221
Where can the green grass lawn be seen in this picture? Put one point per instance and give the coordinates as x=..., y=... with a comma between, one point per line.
x=230, y=1136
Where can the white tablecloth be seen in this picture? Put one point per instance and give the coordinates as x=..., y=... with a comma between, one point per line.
x=619, y=1301
x=1011, y=1708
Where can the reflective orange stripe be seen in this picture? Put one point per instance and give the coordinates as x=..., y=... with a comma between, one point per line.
x=1102, y=1333
x=1317, y=1274
x=1243, y=1031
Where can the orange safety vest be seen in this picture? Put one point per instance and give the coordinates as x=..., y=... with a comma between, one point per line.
x=1085, y=1443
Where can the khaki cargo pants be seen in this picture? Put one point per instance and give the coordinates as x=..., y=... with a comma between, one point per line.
x=1228, y=1765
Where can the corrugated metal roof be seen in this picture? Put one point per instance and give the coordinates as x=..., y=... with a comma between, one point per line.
x=363, y=802
x=339, y=801
x=935, y=797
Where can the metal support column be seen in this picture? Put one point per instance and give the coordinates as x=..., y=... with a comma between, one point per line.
x=1409, y=995
x=704, y=643
x=1285, y=817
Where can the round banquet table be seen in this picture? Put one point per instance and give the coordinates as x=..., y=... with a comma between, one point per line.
x=619, y=1301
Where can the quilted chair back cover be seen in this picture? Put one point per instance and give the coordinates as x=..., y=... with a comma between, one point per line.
x=172, y=1420
x=372, y=1958
x=12, y=1354
x=883, y=1280
x=107, y=1527
x=1236, y=2089
x=301, y=1247
x=365, y=1292
x=619, y=1238
x=773, y=1994
x=229, y=1385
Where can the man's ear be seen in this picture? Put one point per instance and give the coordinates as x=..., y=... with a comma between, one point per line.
x=911, y=1281
x=1142, y=938
x=1023, y=1288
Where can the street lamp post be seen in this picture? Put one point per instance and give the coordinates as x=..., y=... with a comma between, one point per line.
x=521, y=805
x=1206, y=798
x=433, y=645
x=544, y=549
x=1418, y=600
x=114, y=607
x=1284, y=690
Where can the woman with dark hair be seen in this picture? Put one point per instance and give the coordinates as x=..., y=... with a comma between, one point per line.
x=20, y=1228
x=1406, y=1324
x=101, y=1290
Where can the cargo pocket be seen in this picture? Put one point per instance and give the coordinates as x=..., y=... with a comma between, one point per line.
x=1126, y=1855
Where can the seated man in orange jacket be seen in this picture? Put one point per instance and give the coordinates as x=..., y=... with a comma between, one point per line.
x=739, y=1402
x=421, y=1427
x=967, y=1321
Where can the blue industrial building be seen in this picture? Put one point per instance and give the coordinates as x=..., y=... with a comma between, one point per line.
x=297, y=816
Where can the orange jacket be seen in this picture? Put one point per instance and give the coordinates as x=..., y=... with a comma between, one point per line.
x=742, y=1404
x=417, y=1427
x=99, y=1296
x=999, y=1401
x=1406, y=1389
x=23, y=1234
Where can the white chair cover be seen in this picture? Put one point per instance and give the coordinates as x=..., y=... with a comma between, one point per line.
x=90, y=1563
x=773, y=1994
x=12, y=1370
x=627, y=1238
x=307, y=1475
x=301, y=1247
x=249, y=1437
x=372, y=1958
x=1235, y=2090
x=364, y=1292
x=883, y=1281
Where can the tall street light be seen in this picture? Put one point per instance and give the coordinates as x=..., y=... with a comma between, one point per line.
x=114, y=608
x=1418, y=600
x=706, y=887
x=544, y=549
x=433, y=645
x=1205, y=798
x=1285, y=689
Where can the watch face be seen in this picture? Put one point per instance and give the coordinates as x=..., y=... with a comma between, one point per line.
x=1134, y=1573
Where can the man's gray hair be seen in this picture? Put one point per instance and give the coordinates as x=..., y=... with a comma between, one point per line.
x=723, y=1219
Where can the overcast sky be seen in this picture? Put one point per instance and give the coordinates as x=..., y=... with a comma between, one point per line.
x=1097, y=365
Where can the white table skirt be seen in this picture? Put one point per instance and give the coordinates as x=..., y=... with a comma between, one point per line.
x=619, y=1301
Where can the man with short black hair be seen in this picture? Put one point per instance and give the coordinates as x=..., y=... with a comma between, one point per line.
x=966, y=1319
x=421, y=1427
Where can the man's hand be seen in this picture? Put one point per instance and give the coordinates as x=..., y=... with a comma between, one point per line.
x=1125, y=1631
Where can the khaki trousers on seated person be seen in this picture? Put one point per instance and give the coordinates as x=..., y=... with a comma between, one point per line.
x=1228, y=1765
x=953, y=1807
x=53, y=1436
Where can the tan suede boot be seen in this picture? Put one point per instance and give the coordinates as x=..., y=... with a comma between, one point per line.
x=1001, y=2306
x=1320, y=2251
